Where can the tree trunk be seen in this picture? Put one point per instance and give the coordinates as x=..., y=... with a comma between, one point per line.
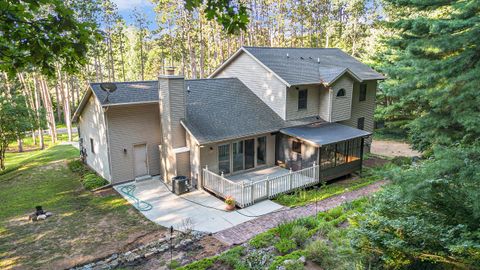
x=47, y=102
x=65, y=92
x=59, y=107
x=20, y=144
x=37, y=109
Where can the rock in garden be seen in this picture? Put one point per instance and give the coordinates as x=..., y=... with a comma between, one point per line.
x=42, y=217
x=302, y=259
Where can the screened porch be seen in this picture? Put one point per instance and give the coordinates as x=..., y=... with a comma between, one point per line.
x=338, y=149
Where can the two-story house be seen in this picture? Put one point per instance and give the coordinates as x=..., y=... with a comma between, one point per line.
x=293, y=108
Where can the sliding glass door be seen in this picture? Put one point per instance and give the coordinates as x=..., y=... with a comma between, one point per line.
x=224, y=158
x=249, y=154
x=238, y=156
x=242, y=155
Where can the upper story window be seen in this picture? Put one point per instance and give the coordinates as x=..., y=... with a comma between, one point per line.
x=341, y=93
x=363, y=92
x=302, y=99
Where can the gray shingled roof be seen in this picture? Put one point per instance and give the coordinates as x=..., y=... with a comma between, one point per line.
x=128, y=92
x=301, y=66
x=325, y=133
x=223, y=109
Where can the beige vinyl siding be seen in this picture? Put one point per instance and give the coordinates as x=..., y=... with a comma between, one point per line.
x=262, y=82
x=341, y=106
x=92, y=126
x=363, y=108
x=130, y=125
x=313, y=99
x=195, y=167
x=183, y=164
x=324, y=104
x=209, y=153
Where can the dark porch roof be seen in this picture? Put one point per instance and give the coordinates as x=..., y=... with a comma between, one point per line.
x=325, y=133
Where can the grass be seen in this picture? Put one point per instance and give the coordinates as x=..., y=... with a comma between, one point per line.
x=28, y=144
x=84, y=225
x=306, y=196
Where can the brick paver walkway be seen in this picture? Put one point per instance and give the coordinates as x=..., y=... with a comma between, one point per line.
x=241, y=233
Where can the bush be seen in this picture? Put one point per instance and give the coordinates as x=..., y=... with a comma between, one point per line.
x=200, y=265
x=321, y=253
x=263, y=240
x=92, y=181
x=299, y=234
x=284, y=230
x=280, y=259
x=285, y=245
x=233, y=257
x=401, y=161
x=77, y=166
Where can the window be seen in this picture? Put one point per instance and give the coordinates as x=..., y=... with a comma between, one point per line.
x=361, y=123
x=297, y=147
x=341, y=93
x=261, y=150
x=92, y=146
x=302, y=99
x=224, y=158
x=363, y=92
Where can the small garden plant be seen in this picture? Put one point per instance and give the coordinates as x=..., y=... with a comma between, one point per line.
x=89, y=179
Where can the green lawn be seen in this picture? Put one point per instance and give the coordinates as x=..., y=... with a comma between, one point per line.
x=28, y=143
x=84, y=225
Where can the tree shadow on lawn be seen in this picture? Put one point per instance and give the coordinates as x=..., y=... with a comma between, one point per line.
x=84, y=226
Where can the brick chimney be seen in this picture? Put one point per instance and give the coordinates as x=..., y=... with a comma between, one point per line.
x=172, y=110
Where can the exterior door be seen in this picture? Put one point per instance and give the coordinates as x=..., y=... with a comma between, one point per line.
x=140, y=160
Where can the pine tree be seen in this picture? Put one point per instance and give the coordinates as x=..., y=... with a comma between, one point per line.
x=434, y=68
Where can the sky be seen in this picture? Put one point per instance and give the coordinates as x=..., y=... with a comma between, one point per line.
x=125, y=9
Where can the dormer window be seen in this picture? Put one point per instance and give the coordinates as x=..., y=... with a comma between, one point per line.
x=302, y=99
x=341, y=93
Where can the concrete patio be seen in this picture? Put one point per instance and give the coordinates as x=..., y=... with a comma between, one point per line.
x=204, y=210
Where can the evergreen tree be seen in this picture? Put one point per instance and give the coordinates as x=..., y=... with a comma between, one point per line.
x=433, y=67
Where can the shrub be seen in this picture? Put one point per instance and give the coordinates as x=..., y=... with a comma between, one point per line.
x=299, y=234
x=309, y=222
x=263, y=240
x=320, y=252
x=285, y=245
x=280, y=259
x=200, y=265
x=284, y=230
x=256, y=260
x=92, y=181
x=233, y=257
x=77, y=166
x=401, y=161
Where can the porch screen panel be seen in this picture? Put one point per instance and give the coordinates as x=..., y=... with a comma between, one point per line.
x=238, y=156
x=261, y=150
x=224, y=158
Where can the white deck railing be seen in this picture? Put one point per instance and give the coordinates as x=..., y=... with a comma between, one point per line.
x=246, y=194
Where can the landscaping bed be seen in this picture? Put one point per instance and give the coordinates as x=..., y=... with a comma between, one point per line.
x=310, y=195
x=320, y=240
